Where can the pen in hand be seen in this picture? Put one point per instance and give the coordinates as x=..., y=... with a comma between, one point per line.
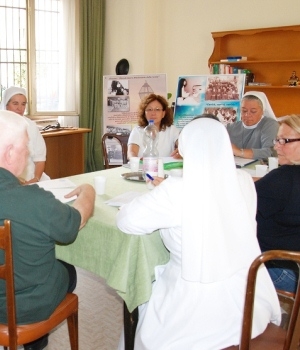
x=149, y=177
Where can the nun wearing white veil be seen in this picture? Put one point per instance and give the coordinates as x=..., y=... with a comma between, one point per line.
x=15, y=99
x=207, y=222
x=252, y=137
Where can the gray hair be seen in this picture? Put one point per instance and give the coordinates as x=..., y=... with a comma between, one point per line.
x=254, y=98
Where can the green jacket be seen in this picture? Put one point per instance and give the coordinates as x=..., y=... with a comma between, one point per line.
x=38, y=221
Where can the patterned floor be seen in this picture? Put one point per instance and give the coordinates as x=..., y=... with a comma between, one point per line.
x=100, y=317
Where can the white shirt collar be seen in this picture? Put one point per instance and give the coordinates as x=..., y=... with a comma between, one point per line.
x=252, y=126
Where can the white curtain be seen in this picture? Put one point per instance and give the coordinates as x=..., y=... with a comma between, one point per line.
x=68, y=73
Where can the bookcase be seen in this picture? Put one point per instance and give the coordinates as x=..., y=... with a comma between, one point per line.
x=272, y=54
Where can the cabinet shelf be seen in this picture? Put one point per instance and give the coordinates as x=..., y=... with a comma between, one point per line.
x=276, y=56
x=259, y=87
x=256, y=61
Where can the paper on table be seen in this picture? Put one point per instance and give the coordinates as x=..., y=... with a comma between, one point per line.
x=59, y=188
x=123, y=198
x=241, y=162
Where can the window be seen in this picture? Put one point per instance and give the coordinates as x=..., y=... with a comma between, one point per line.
x=39, y=51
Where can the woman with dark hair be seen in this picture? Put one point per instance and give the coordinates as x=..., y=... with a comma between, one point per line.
x=182, y=92
x=117, y=88
x=154, y=107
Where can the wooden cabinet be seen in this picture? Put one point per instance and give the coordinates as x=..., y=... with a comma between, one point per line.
x=272, y=54
x=65, y=152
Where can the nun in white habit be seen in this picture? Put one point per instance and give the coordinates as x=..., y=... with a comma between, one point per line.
x=207, y=222
x=14, y=99
x=253, y=135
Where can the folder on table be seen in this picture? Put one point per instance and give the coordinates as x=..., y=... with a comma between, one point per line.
x=241, y=162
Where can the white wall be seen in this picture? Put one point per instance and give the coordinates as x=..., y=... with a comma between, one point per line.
x=174, y=36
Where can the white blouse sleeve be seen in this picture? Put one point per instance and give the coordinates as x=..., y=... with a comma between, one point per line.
x=158, y=208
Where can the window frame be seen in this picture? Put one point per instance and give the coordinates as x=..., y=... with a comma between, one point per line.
x=31, y=110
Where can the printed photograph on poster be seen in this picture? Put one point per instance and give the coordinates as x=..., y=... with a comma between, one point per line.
x=116, y=88
x=218, y=94
x=122, y=95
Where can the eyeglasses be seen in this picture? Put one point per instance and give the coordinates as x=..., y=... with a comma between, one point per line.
x=284, y=141
x=155, y=110
x=48, y=127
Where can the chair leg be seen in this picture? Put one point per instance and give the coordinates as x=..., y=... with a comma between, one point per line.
x=73, y=330
x=295, y=344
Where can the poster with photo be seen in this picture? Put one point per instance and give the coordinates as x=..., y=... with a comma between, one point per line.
x=122, y=95
x=217, y=94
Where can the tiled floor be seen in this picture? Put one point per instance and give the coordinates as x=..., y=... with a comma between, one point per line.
x=100, y=317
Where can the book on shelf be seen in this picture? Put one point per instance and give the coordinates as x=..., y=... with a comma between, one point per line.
x=220, y=68
x=233, y=59
x=259, y=84
x=244, y=58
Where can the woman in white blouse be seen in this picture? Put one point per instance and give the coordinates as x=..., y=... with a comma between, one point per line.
x=154, y=107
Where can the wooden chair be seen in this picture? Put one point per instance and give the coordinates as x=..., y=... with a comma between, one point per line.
x=274, y=337
x=286, y=300
x=122, y=139
x=12, y=335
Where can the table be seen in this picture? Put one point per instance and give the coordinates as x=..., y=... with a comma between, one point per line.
x=126, y=262
x=65, y=152
x=250, y=169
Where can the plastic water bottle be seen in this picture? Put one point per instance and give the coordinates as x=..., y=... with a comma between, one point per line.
x=150, y=155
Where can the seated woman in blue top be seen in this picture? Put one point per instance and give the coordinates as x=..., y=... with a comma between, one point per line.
x=252, y=136
x=154, y=107
x=278, y=210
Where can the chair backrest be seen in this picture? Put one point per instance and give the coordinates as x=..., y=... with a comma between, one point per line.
x=7, y=274
x=11, y=335
x=250, y=294
x=122, y=139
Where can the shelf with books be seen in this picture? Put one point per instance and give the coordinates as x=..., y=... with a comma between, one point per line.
x=257, y=61
x=276, y=73
x=271, y=57
x=259, y=87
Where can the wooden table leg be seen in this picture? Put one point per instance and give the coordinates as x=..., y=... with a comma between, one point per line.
x=130, y=323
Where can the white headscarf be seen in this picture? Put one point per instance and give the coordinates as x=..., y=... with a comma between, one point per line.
x=9, y=93
x=267, y=109
x=219, y=206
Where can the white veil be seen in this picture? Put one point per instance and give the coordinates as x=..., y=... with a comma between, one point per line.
x=267, y=109
x=219, y=206
x=9, y=93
